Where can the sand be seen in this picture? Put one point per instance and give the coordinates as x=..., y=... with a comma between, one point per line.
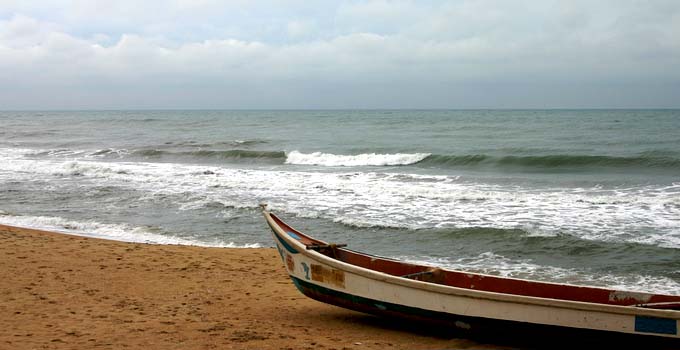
x=60, y=291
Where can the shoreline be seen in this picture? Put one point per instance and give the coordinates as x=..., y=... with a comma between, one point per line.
x=62, y=291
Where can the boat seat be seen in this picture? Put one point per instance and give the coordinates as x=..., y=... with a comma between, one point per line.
x=433, y=275
x=327, y=249
x=325, y=246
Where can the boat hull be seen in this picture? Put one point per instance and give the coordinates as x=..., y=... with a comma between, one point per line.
x=483, y=329
x=331, y=281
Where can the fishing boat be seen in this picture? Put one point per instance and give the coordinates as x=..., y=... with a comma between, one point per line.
x=336, y=275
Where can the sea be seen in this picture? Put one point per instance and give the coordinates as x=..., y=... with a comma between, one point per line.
x=587, y=197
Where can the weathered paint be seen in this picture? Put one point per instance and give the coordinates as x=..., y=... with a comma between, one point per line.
x=328, y=275
x=629, y=297
x=290, y=263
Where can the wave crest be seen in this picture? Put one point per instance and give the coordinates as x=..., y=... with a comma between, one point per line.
x=365, y=159
x=555, y=161
x=218, y=154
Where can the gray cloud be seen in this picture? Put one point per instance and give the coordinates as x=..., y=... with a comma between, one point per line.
x=374, y=54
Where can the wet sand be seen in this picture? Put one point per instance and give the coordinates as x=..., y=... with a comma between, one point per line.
x=60, y=291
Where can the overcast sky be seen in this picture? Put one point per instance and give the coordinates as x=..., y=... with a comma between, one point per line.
x=339, y=54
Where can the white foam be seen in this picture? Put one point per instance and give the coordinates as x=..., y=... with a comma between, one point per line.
x=646, y=214
x=66, y=153
x=107, y=152
x=118, y=232
x=366, y=159
x=12, y=153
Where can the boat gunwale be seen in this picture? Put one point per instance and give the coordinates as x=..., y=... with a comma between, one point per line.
x=471, y=293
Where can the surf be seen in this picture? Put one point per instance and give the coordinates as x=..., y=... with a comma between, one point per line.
x=364, y=159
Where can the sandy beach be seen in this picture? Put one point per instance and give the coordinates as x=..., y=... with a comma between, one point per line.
x=61, y=291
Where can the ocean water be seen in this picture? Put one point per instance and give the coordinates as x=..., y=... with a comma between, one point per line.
x=576, y=196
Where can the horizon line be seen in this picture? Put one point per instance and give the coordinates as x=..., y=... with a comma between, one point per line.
x=335, y=109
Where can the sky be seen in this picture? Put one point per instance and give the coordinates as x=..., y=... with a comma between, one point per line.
x=290, y=54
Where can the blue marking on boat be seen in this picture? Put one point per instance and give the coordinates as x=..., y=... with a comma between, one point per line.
x=657, y=325
x=306, y=268
x=285, y=244
x=292, y=234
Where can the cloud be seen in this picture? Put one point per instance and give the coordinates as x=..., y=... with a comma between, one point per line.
x=300, y=29
x=23, y=31
x=343, y=55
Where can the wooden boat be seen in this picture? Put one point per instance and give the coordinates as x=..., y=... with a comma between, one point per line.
x=336, y=275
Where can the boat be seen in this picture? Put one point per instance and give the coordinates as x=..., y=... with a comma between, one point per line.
x=336, y=275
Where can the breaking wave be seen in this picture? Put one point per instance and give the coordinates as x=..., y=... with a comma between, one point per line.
x=366, y=159
x=552, y=162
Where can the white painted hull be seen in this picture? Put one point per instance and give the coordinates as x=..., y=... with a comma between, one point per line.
x=314, y=271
